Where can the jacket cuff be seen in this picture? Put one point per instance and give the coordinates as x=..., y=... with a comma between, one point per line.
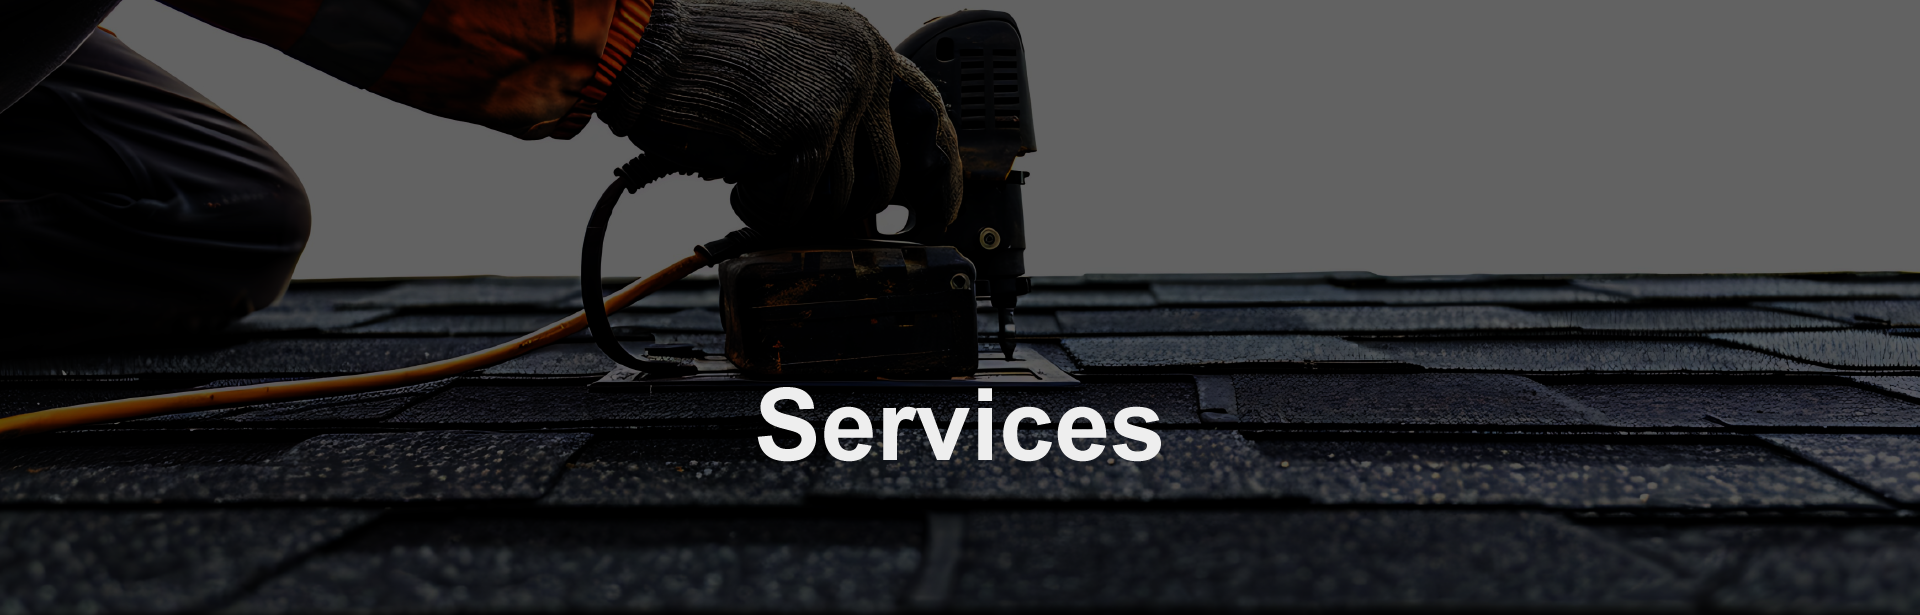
x=630, y=19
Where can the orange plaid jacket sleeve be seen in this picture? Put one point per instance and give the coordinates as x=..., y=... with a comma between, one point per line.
x=529, y=68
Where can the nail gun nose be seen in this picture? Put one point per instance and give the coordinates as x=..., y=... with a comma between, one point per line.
x=1006, y=332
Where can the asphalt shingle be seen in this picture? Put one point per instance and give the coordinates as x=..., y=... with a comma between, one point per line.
x=92, y=561
x=1171, y=351
x=1746, y=287
x=1404, y=399
x=1897, y=313
x=1750, y=405
x=1025, y=324
x=1300, y=319
x=1700, y=319
x=707, y=563
x=488, y=293
x=403, y=467
x=1049, y=298
x=1040, y=560
x=1853, y=570
x=1558, y=474
x=1906, y=387
x=1228, y=278
x=277, y=320
x=1192, y=465
x=310, y=307
x=679, y=472
x=1243, y=294
x=1578, y=355
x=1887, y=463
x=1841, y=349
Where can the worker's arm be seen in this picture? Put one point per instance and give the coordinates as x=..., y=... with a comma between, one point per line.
x=36, y=36
x=793, y=100
x=520, y=67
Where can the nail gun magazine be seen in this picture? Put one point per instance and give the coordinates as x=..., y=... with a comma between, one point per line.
x=769, y=305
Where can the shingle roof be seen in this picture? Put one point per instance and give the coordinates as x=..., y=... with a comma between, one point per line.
x=1337, y=440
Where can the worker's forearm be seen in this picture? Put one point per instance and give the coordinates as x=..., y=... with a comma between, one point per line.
x=518, y=66
x=276, y=23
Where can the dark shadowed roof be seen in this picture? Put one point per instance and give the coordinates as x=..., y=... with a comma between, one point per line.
x=1335, y=441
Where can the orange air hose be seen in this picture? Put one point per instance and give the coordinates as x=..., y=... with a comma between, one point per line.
x=137, y=407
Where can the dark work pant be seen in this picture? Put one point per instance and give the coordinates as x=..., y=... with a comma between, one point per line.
x=130, y=205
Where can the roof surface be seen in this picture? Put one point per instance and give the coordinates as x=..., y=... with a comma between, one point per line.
x=1338, y=440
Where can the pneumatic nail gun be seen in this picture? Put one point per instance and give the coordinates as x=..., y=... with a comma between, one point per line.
x=903, y=305
x=897, y=306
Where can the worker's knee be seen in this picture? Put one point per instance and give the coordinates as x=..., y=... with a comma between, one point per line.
x=134, y=203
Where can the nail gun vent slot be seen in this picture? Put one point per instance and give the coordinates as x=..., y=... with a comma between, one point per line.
x=1006, y=88
x=976, y=123
x=1006, y=52
x=972, y=52
x=972, y=88
x=1006, y=64
x=973, y=64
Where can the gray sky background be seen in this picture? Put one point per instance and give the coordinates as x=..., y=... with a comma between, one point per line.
x=1399, y=137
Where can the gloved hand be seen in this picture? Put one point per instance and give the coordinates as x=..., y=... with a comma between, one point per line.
x=801, y=104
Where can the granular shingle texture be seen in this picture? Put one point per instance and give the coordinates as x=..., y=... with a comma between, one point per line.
x=313, y=309
x=1905, y=387
x=1438, y=399
x=170, y=561
x=272, y=320
x=1887, y=463
x=1746, y=287
x=489, y=293
x=1304, y=559
x=1358, y=319
x=1168, y=351
x=1841, y=349
x=1897, y=313
x=1583, y=356
x=590, y=564
x=679, y=472
x=1191, y=466
x=401, y=467
x=1027, y=324
x=1757, y=405
x=1860, y=569
x=1045, y=298
x=1243, y=294
x=1559, y=474
x=1698, y=319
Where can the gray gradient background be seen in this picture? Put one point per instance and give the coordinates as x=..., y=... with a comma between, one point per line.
x=1404, y=137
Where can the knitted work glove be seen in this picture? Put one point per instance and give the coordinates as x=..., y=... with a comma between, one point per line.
x=802, y=105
